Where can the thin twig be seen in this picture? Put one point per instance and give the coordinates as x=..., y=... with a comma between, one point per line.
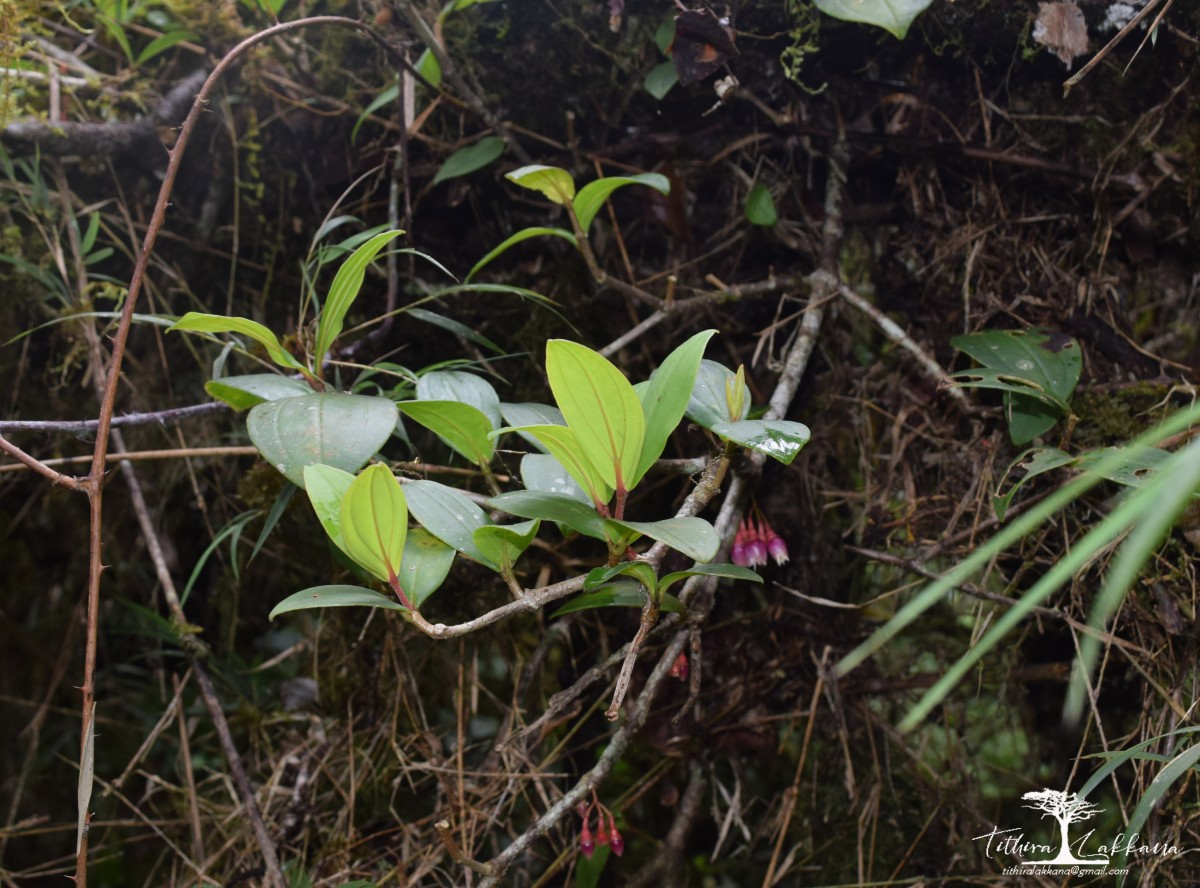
x=160, y=417
x=1110, y=46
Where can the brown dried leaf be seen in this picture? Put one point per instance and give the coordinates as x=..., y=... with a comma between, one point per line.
x=1061, y=29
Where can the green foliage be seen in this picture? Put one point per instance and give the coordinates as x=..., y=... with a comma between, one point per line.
x=894, y=16
x=760, y=206
x=468, y=160
x=1037, y=370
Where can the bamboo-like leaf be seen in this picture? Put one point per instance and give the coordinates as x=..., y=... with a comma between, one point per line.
x=512, y=240
x=198, y=322
x=666, y=397
x=554, y=182
x=335, y=596
x=591, y=197
x=469, y=159
x=461, y=426
x=374, y=522
x=601, y=409
x=344, y=290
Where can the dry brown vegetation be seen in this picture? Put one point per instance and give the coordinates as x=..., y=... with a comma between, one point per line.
x=942, y=184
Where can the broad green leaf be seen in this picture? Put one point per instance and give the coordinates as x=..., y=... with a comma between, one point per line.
x=469, y=159
x=344, y=290
x=425, y=565
x=894, y=16
x=243, y=392
x=331, y=428
x=512, y=240
x=666, y=397
x=554, y=182
x=374, y=522
x=592, y=196
x=1035, y=461
x=708, y=404
x=729, y=571
x=198, y=322
x=541, y=471
x=502, y=544
x=564, y=446
x=449, y=516
x=779, y=439
x=661, y=80
x=551, y=507
x=326, y=488
x=529, y=414
x=461, y=426
x=1003, y=381
x=454, y=385
x=1137, y=468
x=760, y=206
x=694, y=537
x=638, y=570
x=601, y=409
x=618, y=594
x=335, y=596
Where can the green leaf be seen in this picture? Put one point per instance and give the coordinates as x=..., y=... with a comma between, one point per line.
x=529, y=414
x=553, y=182
x=374, y=522
x=243, y=392
x=779, y=439
x=638, y=570
x=469, y=159
x=593, y=195
x=198, y=322
x=502, y=544
x=618, y=594
x=512, y=240
x=760, y=206
x=551, y=507
x=541, y=471
x=601, y=409
x=326, y=488
x=386, y=97
x=162, y=43
x=694, y=537
x=335, y=596
x=461, y=426
x=344, y=290
x=1134, y=466
x=708, y=404
x=1003, y=381
x=728, y=571
x=449, y=516
x=454, y=385
x=894, y=16
x=564, y=446
x=330, y=428
x=1035, y=461
x=661, y=80
x=666, y=397
x=458, y=329
x=425, y=565
x=430, y=68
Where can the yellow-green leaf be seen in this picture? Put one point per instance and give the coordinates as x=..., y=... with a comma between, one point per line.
x=553, y=182
x=563, y=445
x=375, y=522
x=208, y=323
x=601, y=409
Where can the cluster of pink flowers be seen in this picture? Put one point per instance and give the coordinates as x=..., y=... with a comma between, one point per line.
x=755, y=541
x=606, y=829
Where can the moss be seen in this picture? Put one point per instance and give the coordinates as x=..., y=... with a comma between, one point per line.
x=1107, y=418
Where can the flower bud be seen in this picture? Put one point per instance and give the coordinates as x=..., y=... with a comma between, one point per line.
x=679, y=669
x=615, y=841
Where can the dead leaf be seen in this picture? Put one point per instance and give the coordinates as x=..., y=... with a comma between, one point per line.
x=1061, y=29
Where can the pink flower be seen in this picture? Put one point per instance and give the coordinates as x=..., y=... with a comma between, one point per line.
x=679, y=669
x=746, y=536
x=776, y=547
x=615, y=841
